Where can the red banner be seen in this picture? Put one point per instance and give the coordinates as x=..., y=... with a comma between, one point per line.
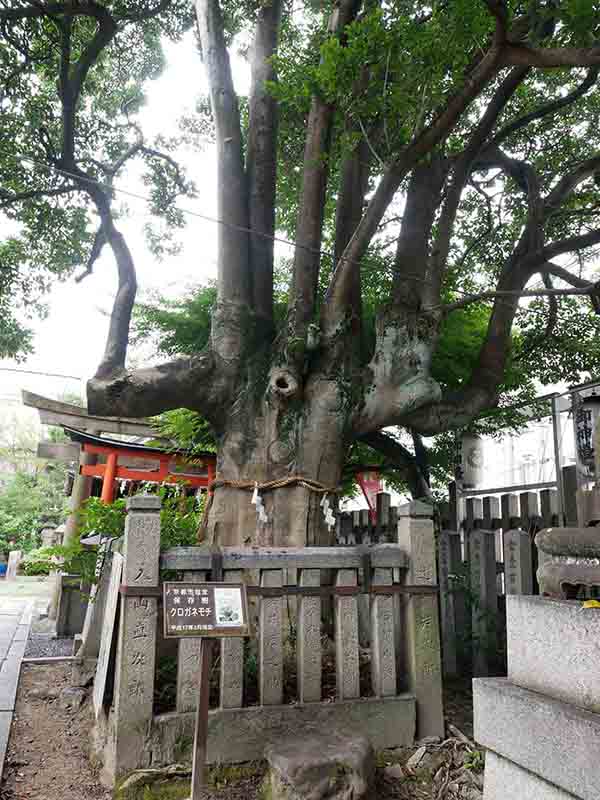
x=371, y=484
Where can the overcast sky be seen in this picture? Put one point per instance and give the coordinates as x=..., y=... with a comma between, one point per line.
x=71, y=339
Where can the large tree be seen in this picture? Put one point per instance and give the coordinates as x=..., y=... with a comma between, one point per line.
x=444, y=153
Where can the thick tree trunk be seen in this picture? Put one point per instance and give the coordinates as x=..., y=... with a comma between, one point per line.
x=292, y=434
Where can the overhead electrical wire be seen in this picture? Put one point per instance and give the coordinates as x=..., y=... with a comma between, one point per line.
x=281, y=240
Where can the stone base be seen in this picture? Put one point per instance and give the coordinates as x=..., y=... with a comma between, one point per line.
x=236, y=735
x=555, y=741
x=242, y=734
x=505, y=779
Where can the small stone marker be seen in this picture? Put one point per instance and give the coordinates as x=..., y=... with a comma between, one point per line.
x=326, y=766
x=518, y=567
x=484, y=598
x=14, y=559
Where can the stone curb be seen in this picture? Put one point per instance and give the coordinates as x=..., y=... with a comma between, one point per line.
x=11, y=658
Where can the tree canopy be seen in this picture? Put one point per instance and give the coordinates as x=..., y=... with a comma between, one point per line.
x=432, y=165
x=72, y=79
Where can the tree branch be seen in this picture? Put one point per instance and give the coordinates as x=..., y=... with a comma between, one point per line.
x=423, y=197
x=232, y=190
x=492, y=295
x=402, y=459
x=95, y=252
x=548, y=108
x=548, y=57
x=499, y=11
x=8, y=198
x=433, y=134
x=568, y=245
x=261, y=157
x=570, y=182
x=311, y=206
x=460, y=175
x=146, y=392
x=354, y=180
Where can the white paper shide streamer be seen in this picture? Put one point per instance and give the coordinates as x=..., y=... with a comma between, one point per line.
x=327, y=512
x=260, y=508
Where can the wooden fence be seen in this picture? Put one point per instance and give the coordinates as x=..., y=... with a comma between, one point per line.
x=492, y=554
x=289, y=677
x=358, y=527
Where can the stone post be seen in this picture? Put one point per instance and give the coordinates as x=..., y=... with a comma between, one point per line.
x=518, y=566
x=232, y=659
x=422, y=660
x=94, y=618
x=309, y=641
x=271, y=642
x=347, y=664
x=383, y=655
x=484, y=598
x=82, y=488
x=14, y=560
x=188, y=661
x=134, y=671
x=448, y=592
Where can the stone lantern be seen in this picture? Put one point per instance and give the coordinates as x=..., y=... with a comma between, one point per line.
x=472, y=462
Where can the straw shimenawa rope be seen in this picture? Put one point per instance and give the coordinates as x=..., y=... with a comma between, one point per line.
x=267, y=486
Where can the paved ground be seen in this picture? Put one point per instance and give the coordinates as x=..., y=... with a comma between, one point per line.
x=20, y=601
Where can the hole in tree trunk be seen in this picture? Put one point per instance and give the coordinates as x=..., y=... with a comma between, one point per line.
x=281, y=383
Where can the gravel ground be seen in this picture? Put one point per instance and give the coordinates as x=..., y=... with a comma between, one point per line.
x=43, y=645
x=42, y=642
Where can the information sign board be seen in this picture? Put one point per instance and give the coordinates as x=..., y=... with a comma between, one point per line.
x=205, y=609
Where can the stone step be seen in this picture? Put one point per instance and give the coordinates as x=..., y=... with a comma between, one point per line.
x=555, y=741
x=554, y=648
x=501, y=773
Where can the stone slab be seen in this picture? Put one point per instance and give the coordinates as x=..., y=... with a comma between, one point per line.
x=554, y=648
x=237, y=735
x=556, y=741
x=9, y=680
x=17, y=650
x=501, y=773
x=27, y=617
x=21, y=633
x=106, y=644
x=199, y=557
x=5, y=722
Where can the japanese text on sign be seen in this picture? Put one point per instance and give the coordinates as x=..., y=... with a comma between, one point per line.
x=208, y=609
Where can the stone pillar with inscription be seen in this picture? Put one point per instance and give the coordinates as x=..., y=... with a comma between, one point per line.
x=448, y=566
x=422, y=658
x=518, y=565
x=131, y=714
x=484, y=599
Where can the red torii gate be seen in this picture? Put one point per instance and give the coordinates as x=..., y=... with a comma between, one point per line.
x=120, y=463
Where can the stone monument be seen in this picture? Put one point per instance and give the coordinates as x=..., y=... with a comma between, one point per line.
x=14, y=561
x=541, y=724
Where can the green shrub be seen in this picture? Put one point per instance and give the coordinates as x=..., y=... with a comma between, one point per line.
x=38, y=562
x=179, y=519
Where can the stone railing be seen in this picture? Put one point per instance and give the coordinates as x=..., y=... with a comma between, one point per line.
x=303, y=667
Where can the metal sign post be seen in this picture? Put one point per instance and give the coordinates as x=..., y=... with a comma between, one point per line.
x=208, y=611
